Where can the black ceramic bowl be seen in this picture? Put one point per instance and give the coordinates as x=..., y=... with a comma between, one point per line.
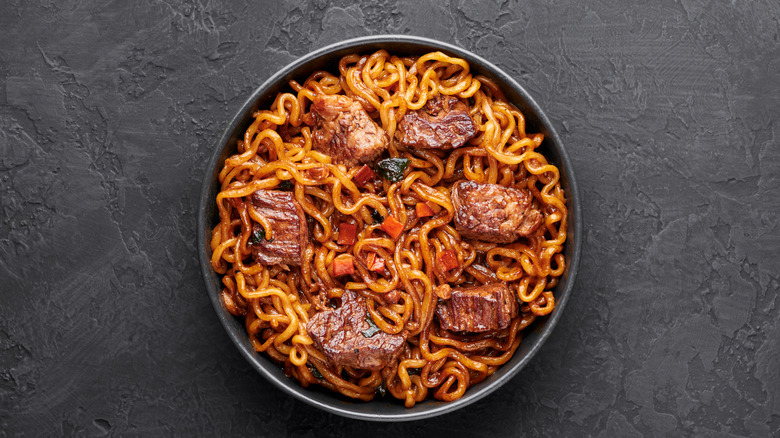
x=387, y=409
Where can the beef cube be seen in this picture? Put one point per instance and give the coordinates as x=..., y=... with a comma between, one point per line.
x=478, y=309
x=348, y=339
x=288, y=223
x=442, y=123
x=493, y=213
x=344, y=131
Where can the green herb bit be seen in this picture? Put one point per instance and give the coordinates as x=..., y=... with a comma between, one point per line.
x=257, y=236
x=314, y=372
x=286, y=185
x=372, y=329
x=392, y=169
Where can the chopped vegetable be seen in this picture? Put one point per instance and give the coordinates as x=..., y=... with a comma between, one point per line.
x=375, y=263
x=392, y=227
x=286, y=185
x=314, y=372
x=423, y=210
x=372, y=327
x=364, y=175
x=377, y=216
x=443, y=291
x=258, y=236
x=448, y=260
x=347, y=234
x=392, y=169
x=343, y=266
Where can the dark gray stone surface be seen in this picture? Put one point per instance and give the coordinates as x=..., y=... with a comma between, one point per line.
x=670, y=110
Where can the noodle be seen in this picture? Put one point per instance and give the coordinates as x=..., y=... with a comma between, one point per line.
x=277, y=301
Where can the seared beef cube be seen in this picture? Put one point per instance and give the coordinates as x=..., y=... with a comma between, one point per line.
x=288, y=223
x=442, y=123
x=478, y=309
x=344, y=131
x=493, y=213
x=348, y=339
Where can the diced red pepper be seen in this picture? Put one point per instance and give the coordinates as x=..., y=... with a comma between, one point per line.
x=443, y=291
x=364, y=175
x=392, y=227
x=423, y=209
x=448, y=260
x=347, y=234
x=343, y=266
x=375, y=263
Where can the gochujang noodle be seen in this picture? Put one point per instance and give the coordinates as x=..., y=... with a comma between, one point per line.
x=389, y=228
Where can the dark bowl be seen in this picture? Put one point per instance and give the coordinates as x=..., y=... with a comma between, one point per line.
x=387, y=409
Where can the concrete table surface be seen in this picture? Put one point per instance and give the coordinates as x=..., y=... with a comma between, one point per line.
x=669, y=110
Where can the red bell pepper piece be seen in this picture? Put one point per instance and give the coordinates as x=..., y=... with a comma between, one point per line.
x=375, y=263
x=423, y=209
x=392, y=227
x=347, y=233
x=343, y=266
x=448, y=260
x=364, y=175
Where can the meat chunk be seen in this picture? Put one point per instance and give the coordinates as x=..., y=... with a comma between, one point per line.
x=478, y=309
x=317, y=173
x=348, y=339
x=442, y=123
x=493, y=213
x=288, y=223
x=344, y=131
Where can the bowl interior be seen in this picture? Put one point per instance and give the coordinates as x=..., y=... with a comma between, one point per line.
x=385, y=409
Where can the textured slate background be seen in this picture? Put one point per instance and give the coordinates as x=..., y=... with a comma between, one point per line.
x=109, y=111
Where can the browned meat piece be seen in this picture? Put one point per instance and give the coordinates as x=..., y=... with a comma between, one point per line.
x=288, y=223
x=317, y=173
x=478, y=309
x=442, y=123
x=344, y=130
x=493, y=213
x=348, y=339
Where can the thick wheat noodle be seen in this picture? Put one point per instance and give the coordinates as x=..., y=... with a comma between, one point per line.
x=277, y=301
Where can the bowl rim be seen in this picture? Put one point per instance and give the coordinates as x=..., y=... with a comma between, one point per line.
x=260, y=362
